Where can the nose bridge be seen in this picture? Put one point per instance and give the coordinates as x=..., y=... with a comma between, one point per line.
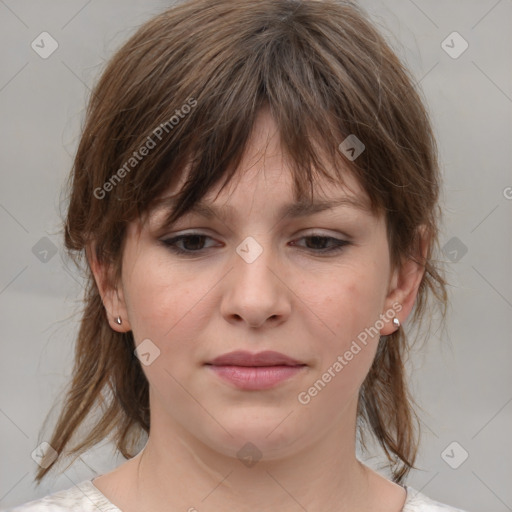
x=254, y=262
x=250, y=249
x=255, y=292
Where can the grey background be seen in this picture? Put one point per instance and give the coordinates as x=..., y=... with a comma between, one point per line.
x=461, y=377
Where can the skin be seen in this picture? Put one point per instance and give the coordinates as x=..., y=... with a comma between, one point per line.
x=291, y=299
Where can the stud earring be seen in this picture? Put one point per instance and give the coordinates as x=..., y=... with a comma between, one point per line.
x=118, y=320
x=396, y=322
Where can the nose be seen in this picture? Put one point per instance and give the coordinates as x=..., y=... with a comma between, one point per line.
x=257, y=290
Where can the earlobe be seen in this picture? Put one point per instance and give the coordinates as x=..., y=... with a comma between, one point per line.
x=113, y=301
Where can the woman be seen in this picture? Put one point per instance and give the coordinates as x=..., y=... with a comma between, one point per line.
x=256, y=192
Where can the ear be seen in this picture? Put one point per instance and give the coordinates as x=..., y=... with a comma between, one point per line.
x=404, y=283
x=111, y=295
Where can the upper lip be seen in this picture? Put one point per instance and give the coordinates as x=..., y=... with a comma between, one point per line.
x=244, y=358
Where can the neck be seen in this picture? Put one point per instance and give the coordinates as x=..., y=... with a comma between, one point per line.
x=176, y=471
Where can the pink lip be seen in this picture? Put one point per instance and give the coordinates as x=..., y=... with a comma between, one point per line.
x=255, y=371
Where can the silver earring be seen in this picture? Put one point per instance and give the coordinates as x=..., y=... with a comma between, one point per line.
x=118, y=320
x=396, y=322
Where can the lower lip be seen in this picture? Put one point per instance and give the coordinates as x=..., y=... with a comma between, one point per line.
x=256, y=377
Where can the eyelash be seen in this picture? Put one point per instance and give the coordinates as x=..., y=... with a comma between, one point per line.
x=170, y=243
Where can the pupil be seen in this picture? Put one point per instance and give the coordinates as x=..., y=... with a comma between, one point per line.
x=195, y=238
x=316, y=239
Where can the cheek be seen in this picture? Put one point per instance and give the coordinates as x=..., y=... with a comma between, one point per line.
x=159, y=299
x=352, y=302
x=350, y=306
x=168, y=306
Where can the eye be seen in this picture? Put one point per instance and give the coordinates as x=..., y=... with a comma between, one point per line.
x=193, y=243
x=317, y=240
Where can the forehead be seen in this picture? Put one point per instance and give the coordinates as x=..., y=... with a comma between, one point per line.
x=265, y=179
x=279, y=204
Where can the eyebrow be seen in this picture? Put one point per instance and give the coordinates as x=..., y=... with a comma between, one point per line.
x=287, y=211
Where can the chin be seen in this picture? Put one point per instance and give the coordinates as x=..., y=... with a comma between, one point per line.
x=256, y=435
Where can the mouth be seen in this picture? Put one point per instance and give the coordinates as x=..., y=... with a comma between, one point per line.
x=258, y=371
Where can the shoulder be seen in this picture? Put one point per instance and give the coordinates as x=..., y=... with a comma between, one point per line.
x=418, y=502
x=83, y=497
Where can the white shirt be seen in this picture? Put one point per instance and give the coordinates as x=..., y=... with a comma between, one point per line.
x=86, y=497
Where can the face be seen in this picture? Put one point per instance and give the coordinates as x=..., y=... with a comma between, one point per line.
x=317, y=288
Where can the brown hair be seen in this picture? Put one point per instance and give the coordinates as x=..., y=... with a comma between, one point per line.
x=192, y=80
